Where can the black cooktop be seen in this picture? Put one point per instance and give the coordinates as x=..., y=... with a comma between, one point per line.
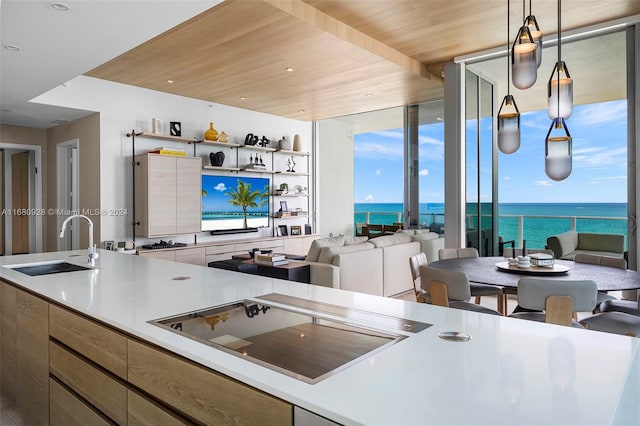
x=164, y=245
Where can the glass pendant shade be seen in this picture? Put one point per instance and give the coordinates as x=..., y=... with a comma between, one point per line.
x=560, y=92
x=536, y=35
x=523, y=60
x=508, y=126
x=557, y=156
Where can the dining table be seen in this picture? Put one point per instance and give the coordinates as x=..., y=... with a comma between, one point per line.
x=494, y=271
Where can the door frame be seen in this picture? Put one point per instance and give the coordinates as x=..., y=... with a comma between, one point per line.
x=37, y=208
x=63, y=178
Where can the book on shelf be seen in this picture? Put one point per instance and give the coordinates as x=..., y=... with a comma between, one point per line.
x=274, y=263
x=176, y=153
x=270, y=257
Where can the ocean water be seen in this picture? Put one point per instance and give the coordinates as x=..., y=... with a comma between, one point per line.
x=536, y=221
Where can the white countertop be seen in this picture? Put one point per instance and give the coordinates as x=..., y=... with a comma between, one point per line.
x=511, y=371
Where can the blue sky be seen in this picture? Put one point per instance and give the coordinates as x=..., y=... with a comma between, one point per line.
x=599, y=161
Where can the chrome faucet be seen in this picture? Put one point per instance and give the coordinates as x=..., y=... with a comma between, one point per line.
x=91, y=251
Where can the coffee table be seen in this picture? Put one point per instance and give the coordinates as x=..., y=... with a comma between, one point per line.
x=295, y=270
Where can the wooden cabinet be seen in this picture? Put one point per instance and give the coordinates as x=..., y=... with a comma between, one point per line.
x=206, y=396
x=193, y=256
x=25, y=353
x=143, y=412
x=167, y=195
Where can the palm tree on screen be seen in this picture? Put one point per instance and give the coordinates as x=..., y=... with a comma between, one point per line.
x=244, y=197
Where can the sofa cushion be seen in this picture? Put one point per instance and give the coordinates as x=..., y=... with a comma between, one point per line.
x=350, y=239
x=563, y=244
x=327, y=254
x=317, y=245
x=601, y=242
x=425, y=236
x=390, y=240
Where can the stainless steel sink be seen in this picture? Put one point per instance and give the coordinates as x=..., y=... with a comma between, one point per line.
x=307, y=346
x=46, y=268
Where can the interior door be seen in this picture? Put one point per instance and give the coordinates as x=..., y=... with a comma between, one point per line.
x=20, y=203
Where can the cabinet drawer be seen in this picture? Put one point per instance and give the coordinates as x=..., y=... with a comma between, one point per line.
x=216, y=257
x=102, y=391
x=271, y=244
x=143, y=412
x=193, y=256
x=98, y=343
x=226, y=248
x=164, y=255
x=245, y=247
x=67, y=410
x=200, y=393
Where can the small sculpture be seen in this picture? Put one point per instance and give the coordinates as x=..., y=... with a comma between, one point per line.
x=264, y=142
x=248, y=140
x=291, y=164
x=261, y=163
x=216, y=158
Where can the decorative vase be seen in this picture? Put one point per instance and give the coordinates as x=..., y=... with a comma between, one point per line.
x=211, y=134
x=217, y=158
x=284, y=144
x=297, y=145
x=223, y=137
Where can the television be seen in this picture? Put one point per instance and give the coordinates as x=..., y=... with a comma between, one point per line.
x=234, y=203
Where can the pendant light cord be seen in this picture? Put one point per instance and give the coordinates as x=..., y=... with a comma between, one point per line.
x=508, y=51
x=559, y=54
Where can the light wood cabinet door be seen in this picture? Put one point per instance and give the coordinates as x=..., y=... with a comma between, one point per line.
x=9, y=369
x=68, y=410
x=144, y=412
x=98, y=388
x=189, y=195
x=32, y=338
x=100, y=344
x=161, y=254
x=193, y=256
x=200, y=393
x=162, y=192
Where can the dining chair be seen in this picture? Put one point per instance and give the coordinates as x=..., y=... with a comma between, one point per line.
x=594, y=259
x=415, y=262
x=627, y=306
x=477, y=290
x=450, y=289
x=614, y=322
x=555, y=301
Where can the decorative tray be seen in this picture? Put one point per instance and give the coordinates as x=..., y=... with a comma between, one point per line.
x=533, y=269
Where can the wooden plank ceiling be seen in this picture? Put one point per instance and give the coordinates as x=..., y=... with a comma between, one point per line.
x=347, y=56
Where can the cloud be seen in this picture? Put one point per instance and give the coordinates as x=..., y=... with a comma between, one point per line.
x=595, y=156
x=377, y=149
x=542, y=183
x=423, y=172
x=602, y=113
x=378, y=172
x=507, y=178
x=368, y=198
x=427, y=140
x=220, y=187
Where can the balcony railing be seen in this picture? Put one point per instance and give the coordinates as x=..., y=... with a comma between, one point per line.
x=533, y=228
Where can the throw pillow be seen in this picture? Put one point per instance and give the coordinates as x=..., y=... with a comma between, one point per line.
x=349, y=240
x=317, y=245
x=390, y=240
x=425, y=236
x=328, y=253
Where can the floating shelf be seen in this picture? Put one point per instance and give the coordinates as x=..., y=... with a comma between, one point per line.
x=258, y=148
x=289, y=195
x=299, y=153
x=168, y=138
x=227, y=169
x=303, y=216
x=269, y=172
x=227, y=144
x=293, y=173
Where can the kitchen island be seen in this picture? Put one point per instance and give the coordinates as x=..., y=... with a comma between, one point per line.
x=510, y=371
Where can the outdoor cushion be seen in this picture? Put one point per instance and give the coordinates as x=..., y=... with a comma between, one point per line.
x=601, y=242
x=563, y=244
x=328, y=253
x=390, y=240
x=317, y=245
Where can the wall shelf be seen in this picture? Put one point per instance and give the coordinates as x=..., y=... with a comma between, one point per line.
x=223, y=144
x=226, y=169
x=168, y=138
x=258, y=148
x=292, y=173
x=298, y=153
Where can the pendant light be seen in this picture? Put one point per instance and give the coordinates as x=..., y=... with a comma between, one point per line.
x=508, y=115
x=536, y=34
x=523, y=57
x=557, y=151
x=560, y=86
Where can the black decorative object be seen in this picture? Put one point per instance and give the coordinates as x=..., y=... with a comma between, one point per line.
x=217, y=158
x=283, y=230
x=249, y=139
x=264, y=142
x=175, y=128
x=307, y=229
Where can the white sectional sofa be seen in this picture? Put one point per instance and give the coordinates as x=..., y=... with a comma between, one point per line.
x=378, y=266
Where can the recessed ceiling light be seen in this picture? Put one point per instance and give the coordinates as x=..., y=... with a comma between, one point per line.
x=289, y=69
x=12, y=47
x=300, y=110
x=60, y=7
x=170, y=81
x=242, y=98
x=368, y=95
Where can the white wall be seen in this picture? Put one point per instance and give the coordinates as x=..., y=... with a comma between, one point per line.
x=334, y=180
x=124, y=108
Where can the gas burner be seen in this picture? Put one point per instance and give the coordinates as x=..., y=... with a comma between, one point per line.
x=164, y=245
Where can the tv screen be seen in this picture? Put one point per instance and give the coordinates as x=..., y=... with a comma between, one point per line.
x=234, y=202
